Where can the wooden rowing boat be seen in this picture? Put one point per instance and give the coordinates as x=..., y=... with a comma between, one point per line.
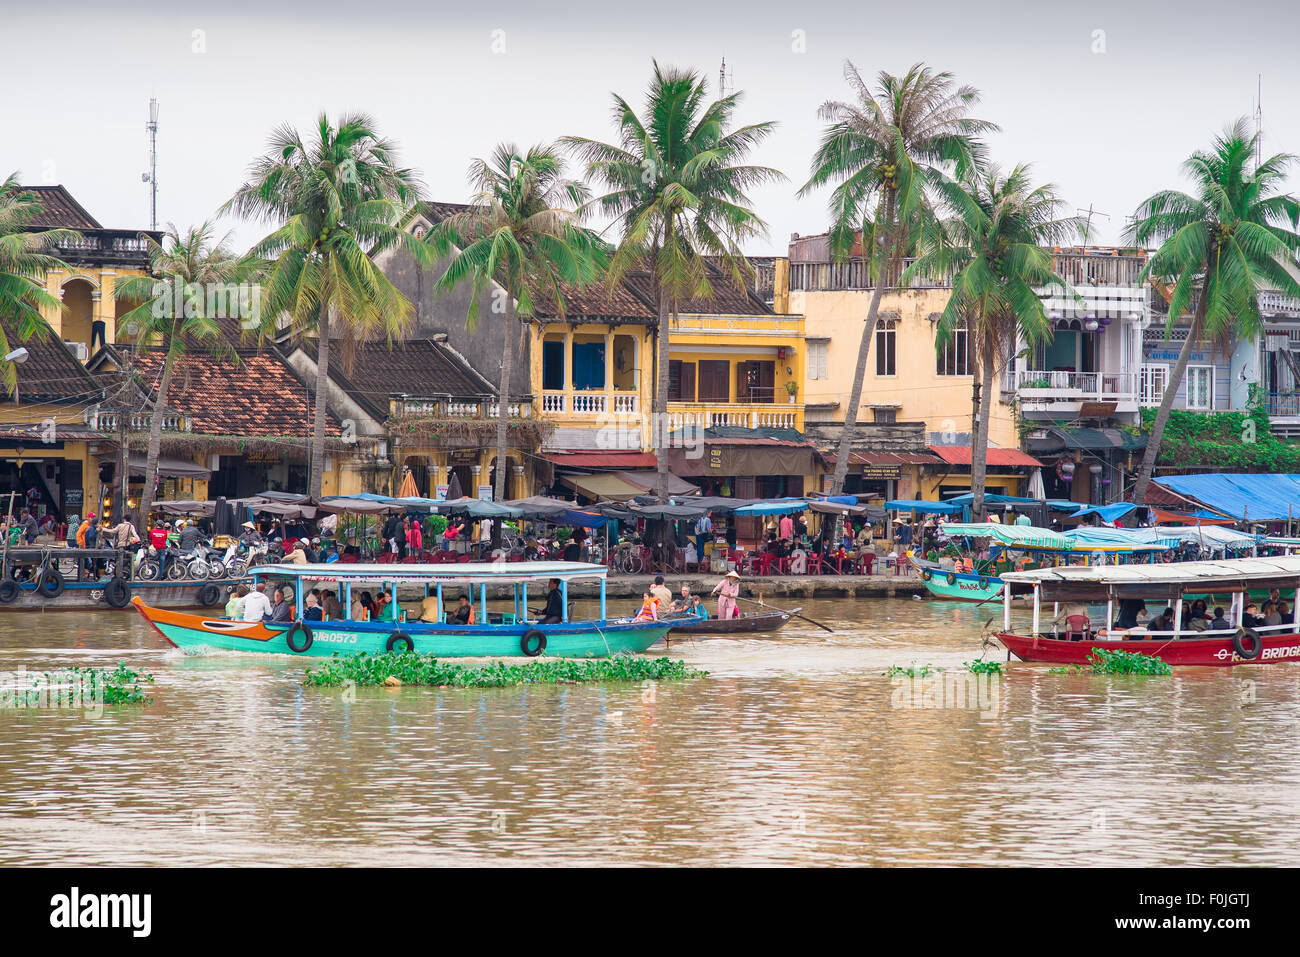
x=747, y=624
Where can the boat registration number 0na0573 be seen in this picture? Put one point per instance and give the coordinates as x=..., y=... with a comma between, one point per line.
x=335, y=637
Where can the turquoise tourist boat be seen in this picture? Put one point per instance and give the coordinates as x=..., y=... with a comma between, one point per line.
x=1041, y=542
x=506, y=633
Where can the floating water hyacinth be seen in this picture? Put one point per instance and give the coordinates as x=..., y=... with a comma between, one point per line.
x=1103, y=662
x=413, y=668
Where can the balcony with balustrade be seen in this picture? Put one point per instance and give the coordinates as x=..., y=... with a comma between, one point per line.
x=1060, y=394
x=457, y=407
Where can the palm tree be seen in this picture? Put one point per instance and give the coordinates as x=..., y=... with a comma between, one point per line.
x=25, y=259
x=1219, y=246
x=338, y=198
x=521, y=232
x=676, y=186
x=203, y=272
x=885, y=150
x=994, y=245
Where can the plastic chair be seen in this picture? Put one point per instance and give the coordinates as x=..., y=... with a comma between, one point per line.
x=1077, y=627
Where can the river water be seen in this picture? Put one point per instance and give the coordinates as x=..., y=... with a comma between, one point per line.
x=797, y=749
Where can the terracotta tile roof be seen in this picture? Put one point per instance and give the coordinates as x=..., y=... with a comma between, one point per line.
x=726, y=300
x=634, y=297
x=961, y=455
x=259, y=395
x=60, y=210
x=416, y=367
x=51, y=372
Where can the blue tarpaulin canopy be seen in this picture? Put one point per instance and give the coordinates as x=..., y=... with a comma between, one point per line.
x=922, y=506
x=1108, y=513
x=1056, y=504
x=1247, y=496
x=780, y=506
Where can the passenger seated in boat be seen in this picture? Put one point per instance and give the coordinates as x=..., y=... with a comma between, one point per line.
x=282, y=610
x=1165, y=621
x=649, y=608
x=235, y=606
x=464, y=613
x=1283, y=613
x=257, y=607
x=1198, y=612
x=1250, y=616
x=683, y=603
x=389, y=609
x=330, y=606
x=429, y=609
x=553, y=613
x=1220, y=622
x=1272, y=616
x=312, y=610
x=1128, y=613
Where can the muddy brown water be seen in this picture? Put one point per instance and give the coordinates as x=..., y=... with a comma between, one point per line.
x=797, y=749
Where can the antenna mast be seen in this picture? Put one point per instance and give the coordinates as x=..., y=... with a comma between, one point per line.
x=151, y=177
x=722, y=79
x=1259, y=117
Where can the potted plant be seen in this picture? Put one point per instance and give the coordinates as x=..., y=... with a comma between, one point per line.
x=792, y=389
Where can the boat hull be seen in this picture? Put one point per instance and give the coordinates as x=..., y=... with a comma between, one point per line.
x=960, y=586
x=748, y=624
x=583, y=639
x=78, y=596
x=1215, y=651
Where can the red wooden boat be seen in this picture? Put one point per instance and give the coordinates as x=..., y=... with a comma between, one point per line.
x=1074, y=641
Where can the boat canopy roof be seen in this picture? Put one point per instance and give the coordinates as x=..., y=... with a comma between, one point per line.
x=1165, y=580
x=453, y=572
x=1012, y=536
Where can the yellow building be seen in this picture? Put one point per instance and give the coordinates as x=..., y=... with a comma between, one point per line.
x=917, y=396
x=51, y=454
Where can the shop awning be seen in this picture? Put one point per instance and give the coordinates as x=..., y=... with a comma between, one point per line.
x=998, y=458
x=171, y=468
x=603, y=485
x=887, y=458
x=603, y=460
x=1059, y=439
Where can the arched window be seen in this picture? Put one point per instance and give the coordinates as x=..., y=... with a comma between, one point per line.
x=886, y=348
x=954, y=358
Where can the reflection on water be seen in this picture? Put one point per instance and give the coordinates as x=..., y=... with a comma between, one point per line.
x=791, y=752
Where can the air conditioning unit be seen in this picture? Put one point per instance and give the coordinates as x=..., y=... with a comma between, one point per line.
x=78, y=349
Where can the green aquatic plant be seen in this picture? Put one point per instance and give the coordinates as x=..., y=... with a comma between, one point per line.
x=982, y=667
x=1102, y=662
x=413, y=668
x=911, y=671
x=79, y=687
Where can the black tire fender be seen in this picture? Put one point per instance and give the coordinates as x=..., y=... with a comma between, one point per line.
x=117, y=592
x=1250, y=648
x=925, y=575
x=984, y=582
x=51, y=582
x=952, y=578
x=398, y=638
x=533, y=643
x=298, y=628
x=8, y=591
x=209, y=595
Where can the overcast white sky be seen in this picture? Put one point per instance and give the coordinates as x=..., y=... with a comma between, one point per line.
x=1107, y=127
